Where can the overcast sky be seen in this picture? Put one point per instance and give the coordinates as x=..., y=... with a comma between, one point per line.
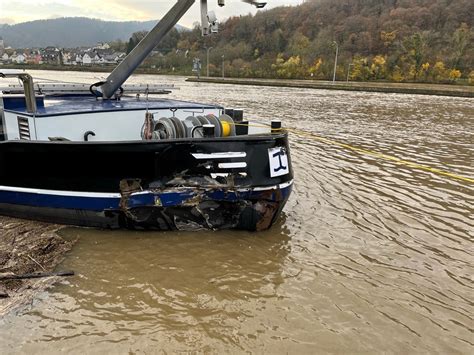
x=16, y=11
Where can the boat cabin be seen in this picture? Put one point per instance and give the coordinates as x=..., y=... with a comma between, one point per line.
x=69, y=112
x=70, y=118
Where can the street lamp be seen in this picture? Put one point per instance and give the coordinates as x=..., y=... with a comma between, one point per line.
x=223, y=65
x=349, y=70
x=208, y=49
x=335, y=61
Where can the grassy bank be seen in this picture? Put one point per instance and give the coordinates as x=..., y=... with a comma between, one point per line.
x=385, y=87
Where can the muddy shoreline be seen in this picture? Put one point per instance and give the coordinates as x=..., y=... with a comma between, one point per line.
x=27, y=247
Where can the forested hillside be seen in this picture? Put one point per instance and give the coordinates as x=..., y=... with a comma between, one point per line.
x=397, y=40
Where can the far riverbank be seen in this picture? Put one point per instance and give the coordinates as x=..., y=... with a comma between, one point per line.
x=81, y=68
x=400, y=88
x=453, y=90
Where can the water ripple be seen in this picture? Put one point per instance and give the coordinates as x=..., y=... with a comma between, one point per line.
x=369, y=255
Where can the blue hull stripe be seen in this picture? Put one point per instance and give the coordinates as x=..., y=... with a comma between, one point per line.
x=54, y=201
x=96, y=202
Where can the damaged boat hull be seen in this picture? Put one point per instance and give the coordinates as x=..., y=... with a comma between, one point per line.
x=180, y=185
x=183, y=209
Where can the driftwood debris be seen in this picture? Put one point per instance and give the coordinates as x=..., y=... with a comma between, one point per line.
x=36, y=275
x=3, y=291
x=28, y=248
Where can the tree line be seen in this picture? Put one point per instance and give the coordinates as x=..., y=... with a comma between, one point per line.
x=393, y=40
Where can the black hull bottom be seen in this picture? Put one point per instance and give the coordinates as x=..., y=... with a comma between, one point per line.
x=213, y=215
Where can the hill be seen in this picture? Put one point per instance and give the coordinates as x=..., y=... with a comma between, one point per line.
x=70, y=32
x=397, y=40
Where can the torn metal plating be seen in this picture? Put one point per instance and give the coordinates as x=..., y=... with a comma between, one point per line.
x=198, y=202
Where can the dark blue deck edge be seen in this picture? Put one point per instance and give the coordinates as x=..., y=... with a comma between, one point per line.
x=74, y=105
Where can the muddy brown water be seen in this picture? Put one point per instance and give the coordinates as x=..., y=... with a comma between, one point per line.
x=369, y=256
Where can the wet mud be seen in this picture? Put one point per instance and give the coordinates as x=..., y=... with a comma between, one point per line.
x=27, y=247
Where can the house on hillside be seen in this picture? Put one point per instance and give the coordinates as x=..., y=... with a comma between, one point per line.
x=102, y=52
x=35, y=57
x=114, y=58
x=90, y=58
x=5, y=59
x=101, y=45
x=86, y=59
x=51, y=55
x=67, y=58
x=76, y=58
x=18, y=58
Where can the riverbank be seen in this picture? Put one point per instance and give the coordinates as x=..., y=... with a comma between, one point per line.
x=454, y=90
x=27, y=247
x=82, y=68
x=400, y=88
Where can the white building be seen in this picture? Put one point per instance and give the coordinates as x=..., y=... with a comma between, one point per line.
x=5, y=58
x=18, y=58
x=90, y=58
x=78, y=59
x=114, y=58
x=102, y=46
x=86, y=59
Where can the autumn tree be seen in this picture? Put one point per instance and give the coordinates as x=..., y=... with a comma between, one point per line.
x=415, y=49
x=460, y=41
x=399, y=40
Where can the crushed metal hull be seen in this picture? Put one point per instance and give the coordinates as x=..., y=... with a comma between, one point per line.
x=181, y=185
x=252, y=211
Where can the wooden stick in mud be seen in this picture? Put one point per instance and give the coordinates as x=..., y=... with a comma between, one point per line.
x=36, y=275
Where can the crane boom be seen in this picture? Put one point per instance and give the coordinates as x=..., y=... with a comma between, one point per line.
x=122, y=72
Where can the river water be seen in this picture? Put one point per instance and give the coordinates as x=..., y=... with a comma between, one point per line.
x=369, y=255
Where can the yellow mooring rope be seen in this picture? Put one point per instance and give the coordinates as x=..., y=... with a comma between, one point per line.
x=367, y=152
